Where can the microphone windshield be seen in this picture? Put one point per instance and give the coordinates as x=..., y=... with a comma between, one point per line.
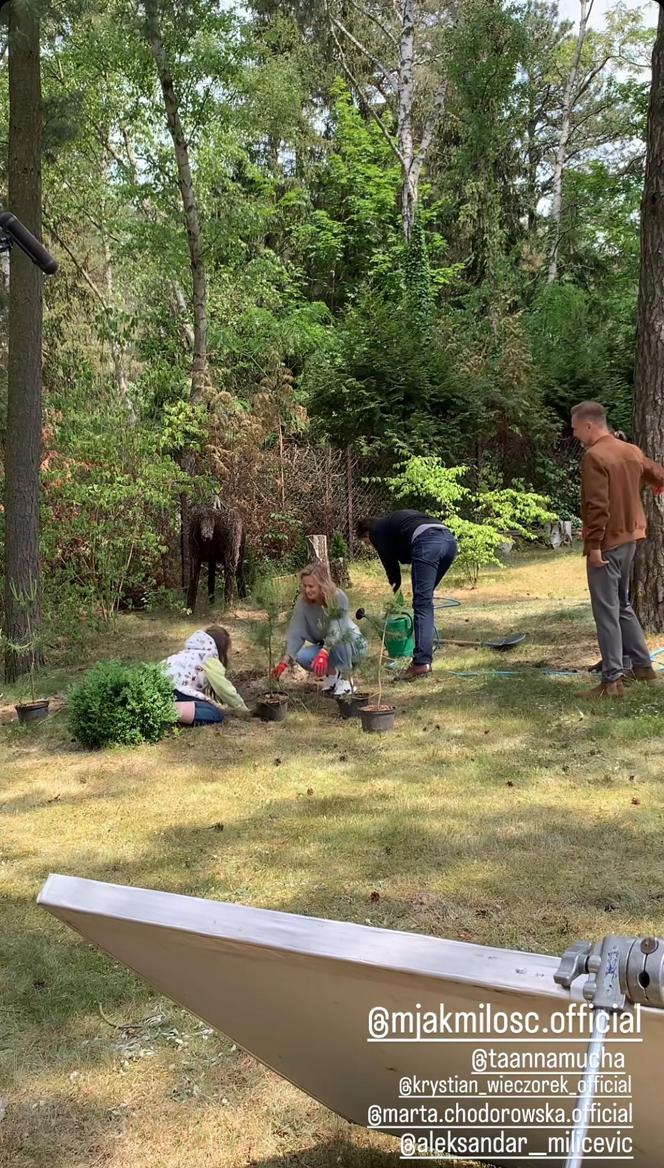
x=27, y=242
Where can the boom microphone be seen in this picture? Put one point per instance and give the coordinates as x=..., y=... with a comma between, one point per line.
x=18, y=233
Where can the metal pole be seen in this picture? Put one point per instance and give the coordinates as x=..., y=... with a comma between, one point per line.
x=585, y=1101
x=350, y=518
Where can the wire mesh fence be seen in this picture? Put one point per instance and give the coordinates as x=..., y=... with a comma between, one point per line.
x=294, y=490
x=302, y=490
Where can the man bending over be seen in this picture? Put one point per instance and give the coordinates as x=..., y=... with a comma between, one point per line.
x=409, y=537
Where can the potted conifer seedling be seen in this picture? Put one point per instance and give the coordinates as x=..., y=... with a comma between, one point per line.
x=351, y=704
x=273, y=706
x=30, y=645
x=376, y=716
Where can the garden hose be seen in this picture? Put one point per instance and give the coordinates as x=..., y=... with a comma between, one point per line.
x=533, y=669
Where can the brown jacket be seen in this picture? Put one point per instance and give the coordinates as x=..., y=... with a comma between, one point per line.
x=612, y=474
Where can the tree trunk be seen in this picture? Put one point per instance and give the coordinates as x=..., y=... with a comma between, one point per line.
x=408, y=207
x=24, y=396
x=105, y=299
x=532, y=161
x=188, y=194
x=318, y=548
x=350, y=502
x=406, y=90
x=648, y=589
x=117, y=349
x=563, y=143
x=194, y=240
x=409, y=15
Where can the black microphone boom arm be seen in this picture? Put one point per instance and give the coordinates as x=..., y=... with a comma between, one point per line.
x=12, y=231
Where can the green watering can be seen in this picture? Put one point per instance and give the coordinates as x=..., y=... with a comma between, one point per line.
x=399, y=632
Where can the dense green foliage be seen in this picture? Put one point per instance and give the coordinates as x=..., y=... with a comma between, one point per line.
x=110, y=510
x=121, y=705
x=323, y=324
x=514, y=511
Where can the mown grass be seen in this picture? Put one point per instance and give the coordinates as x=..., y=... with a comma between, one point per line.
x=501, y=810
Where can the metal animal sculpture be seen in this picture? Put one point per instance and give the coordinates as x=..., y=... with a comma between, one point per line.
x=216, y=535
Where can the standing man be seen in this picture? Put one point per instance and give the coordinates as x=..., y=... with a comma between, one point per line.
x=612, y=474
x=409, y=537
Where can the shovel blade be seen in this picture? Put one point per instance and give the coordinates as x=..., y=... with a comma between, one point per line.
x=505, y=642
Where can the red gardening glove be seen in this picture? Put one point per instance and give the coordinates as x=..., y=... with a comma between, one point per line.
x=279, y=669
x=320, y=663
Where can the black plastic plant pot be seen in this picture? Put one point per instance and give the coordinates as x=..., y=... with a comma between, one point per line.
x=351, y=704
x=273, y=708
x=377, y=719
x=32, y=711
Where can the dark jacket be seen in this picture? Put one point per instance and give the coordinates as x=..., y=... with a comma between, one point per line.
x=392, y=538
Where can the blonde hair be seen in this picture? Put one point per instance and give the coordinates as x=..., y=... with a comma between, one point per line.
x=325, y=582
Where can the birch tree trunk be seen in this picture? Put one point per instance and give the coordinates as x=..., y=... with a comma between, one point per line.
x=563, y=141
x=406, y=90
x=394, y=76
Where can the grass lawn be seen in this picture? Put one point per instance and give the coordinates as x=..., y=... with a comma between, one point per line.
x=501, y=810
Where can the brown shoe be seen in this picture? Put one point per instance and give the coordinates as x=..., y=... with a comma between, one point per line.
x=642, y=673
x=606, y=689
x=415, y=671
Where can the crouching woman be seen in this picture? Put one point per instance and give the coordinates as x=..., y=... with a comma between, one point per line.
x=198, y=677
x=321, y=636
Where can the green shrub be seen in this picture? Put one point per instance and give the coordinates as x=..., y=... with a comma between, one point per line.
x=110, y=508
x=122, y=705
x=424, y=481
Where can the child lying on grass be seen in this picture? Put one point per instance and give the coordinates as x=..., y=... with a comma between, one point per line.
x=198, y=676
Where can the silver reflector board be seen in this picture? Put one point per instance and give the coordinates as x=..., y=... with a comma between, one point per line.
x=297, y=993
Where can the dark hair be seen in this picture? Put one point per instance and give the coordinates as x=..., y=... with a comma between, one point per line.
x=363, y=526
x=590, y=411
x=222, y=640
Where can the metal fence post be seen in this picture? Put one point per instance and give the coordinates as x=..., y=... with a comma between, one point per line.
x=350, y=517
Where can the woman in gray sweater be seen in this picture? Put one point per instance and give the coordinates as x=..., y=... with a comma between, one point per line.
x=321, y=636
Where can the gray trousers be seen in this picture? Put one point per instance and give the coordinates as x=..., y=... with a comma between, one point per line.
x=620, y=636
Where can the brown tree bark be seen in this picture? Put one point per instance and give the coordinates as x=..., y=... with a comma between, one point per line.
x=648, y=587
x=24, y=397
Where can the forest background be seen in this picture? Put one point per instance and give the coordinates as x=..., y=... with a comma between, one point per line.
x=301, y=244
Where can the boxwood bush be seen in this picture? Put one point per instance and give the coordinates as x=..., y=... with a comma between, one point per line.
x=123, y=705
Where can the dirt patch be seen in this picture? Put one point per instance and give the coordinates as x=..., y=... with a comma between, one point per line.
x=252, y=683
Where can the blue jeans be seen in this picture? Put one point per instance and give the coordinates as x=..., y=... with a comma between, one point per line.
x=432, y=554
x=205, y=712
x=342, y=656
